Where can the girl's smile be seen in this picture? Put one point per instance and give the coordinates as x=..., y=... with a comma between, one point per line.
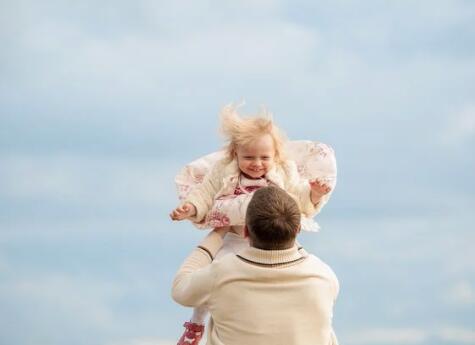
x=257, y=158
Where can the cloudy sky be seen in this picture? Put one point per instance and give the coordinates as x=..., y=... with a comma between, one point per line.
x=101, y=103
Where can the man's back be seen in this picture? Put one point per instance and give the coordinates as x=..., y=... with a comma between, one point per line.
x=261, y=296
x=271, y=297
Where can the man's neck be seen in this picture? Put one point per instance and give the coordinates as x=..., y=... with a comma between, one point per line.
x=283, y=247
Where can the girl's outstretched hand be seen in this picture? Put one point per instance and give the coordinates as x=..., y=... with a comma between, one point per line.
x=184, y=211
x=318, y=189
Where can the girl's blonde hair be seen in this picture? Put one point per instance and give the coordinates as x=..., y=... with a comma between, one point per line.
x=240, y=131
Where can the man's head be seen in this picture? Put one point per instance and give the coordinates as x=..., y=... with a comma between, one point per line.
x=272, y=219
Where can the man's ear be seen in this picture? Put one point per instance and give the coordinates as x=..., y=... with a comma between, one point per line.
x=300, y=228
x=246, y=231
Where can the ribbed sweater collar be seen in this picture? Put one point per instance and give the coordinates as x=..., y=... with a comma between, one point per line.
x=271, y=257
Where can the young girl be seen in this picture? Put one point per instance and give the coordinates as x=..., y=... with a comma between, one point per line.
x=216, y=189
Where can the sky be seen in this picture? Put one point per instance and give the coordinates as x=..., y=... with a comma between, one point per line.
x=101, y=104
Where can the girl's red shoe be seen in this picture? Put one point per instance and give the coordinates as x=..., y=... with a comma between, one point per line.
x=192, y=335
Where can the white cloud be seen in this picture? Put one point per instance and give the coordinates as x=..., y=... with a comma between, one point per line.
x=75, y=300
x=387, y=239
x=461, y=125
x=86, y=179
x=399, y=336
x=395, y=336
x=457, y=335
x=157, y=61
x=143, y=341
x=4, y=266
x=83, y=306
x=151, y=61
x=462, y=294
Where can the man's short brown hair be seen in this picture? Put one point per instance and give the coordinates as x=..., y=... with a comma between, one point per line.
x=272, y=219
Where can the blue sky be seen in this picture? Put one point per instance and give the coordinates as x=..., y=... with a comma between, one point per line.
x=102, y=103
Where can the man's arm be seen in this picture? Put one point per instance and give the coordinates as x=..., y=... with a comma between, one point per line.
x=336, y=291
x=202, y=196
x=333, y=340
x=194, y=280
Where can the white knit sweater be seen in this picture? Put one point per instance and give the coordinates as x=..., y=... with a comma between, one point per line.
x=258, y=296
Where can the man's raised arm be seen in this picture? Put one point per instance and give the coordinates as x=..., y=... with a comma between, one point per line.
x=194, y=281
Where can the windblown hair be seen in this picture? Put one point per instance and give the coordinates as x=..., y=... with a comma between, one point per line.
x=272, y=219
x=240, y=131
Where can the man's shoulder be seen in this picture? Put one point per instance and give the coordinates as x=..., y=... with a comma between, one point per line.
x=319, y=264
x=223, y=262
x=320, y=267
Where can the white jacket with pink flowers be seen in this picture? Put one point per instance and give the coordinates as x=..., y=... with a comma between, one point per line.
x=210, y=182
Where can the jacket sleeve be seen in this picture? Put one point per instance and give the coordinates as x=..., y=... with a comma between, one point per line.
x=202, y=196
x=194, y=280
x=300, y=189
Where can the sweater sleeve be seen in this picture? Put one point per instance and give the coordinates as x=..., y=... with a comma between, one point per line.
x=336, y=290
x=194, y=280
x=333, y=339
x=335, y=284
x=202, y=196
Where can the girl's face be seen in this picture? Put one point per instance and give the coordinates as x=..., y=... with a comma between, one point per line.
x=257, y=158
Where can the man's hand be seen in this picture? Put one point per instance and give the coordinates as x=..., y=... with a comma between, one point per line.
x=318, y=189
x=184, y=211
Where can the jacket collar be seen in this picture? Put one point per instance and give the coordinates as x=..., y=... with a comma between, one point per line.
x=271, y=258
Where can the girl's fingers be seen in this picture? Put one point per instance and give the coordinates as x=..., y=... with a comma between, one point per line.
x=176, y=213
x=179, y=213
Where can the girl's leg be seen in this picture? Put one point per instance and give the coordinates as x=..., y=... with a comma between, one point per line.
x=199, y=315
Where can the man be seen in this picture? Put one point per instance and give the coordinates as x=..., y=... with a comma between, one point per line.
x=269, y=293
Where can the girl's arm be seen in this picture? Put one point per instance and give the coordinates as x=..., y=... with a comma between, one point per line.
x=318, y=189
x=183, y=211
x=312, y=196
x=202, y=196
